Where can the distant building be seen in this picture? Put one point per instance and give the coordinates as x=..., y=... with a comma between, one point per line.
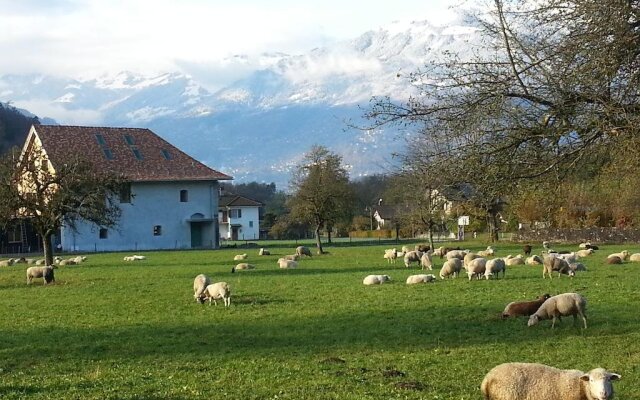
x=238, y=218
x=171, y=200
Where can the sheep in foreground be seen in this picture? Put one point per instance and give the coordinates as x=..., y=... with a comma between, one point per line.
x=421, y=278
x=217, y=291
x=412, y=256
x=242, y=266
x=486, y=253
x=634, y=257
x=524, y=308
x=451, y=267
x=623, y=255
x=283, y=263
x=561, y=305
x=6, y=263
x=303, y=251
x=525, y=381
x=46, y=273
x=200, y=283
x=240, y=257
x=425, y=261
x=291, y=257
x=376, y=279
x=534, y=260
x=476, y=268
x=551, y=264
x=391, y=255
x=493, y=267
x=264, y=252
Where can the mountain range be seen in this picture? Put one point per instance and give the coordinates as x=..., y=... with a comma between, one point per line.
x=258, y=127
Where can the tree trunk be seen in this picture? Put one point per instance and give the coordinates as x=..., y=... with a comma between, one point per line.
x=48, y=249
x=318, y=242
x=431, y=225
x=329, y=229
x=493, y=227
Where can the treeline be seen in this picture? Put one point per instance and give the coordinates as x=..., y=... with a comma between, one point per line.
x=14, y=127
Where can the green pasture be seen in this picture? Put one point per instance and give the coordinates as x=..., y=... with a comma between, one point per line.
x=110, y=329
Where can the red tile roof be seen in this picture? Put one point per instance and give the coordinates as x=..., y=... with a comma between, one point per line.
x=137, y=153
x=237, y=201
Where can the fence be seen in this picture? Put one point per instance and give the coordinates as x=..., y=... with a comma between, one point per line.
x=593, y=235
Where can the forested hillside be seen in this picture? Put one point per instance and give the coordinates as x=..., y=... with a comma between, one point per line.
x=14, y=127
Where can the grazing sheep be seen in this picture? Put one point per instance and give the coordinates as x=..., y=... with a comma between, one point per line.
x=525, y=381
x=451, y=267
x=422, y=248
x=476, y=268
x=200, y=283
x=552, y=263
x=287, y=264
x=243, y=266
x=439, y=252
x=524, y=308
x=577, y=267
x=561, y=305
x=534, y=260
x=217, y=291
x=468, y=257
x=412, y=256
x=240, y=257
x=623, y=255
x=264, y=252
x=494, y=266
x=486, y=253
x=391, y=255
x=634, y=257
x=303, y=251
x=291, y=257
x=584, y=253
x=426, y=261
x=376, y=279
x=526, y=249
x=6, y=263
x=511, y=260
x=422, y=278
x=614, y=260
x=46, y=273
x=456, y=254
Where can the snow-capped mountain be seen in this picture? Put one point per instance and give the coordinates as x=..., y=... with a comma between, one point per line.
x=257, y=127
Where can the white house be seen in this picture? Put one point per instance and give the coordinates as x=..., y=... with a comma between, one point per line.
x=171, y=201
x=238, y=218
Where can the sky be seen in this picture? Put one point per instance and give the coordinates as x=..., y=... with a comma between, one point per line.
x=88, y=38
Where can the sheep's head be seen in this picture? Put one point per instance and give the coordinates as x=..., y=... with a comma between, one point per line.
x=533, y=320
x=599, y=383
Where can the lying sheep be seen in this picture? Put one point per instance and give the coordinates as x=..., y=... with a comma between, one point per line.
x=511, y=260
x=486, y=253
x=422, y=278
x=242, y=266
x=264, y=252
x=493, y=267
x=79, y=259
x=41, y=261
x=426, y=261
x=623, y=255
x=551, y=263
x=451, y=267
x=31, y=261
x=20, y=260
x=577, y=267
x=200, y=283
x=303, y=251
x=476, y=268
x=412, y=256
x=6, y=263
x=240, y=257
x=376, y=279
x=584, y=253
x=634, y=257
x=287, y=264
x=561, y=305
x=391, y=255
x=525, y=381
x=524, y=308
x=217, y=291
x=612, y=260
x=534, y=260
x=135, y=258
x=291, y=257
x=46, y=273
x=67, y=262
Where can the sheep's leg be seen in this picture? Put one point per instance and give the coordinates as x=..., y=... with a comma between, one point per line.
x=553, y=322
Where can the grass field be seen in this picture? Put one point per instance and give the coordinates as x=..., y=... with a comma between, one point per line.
x=114, y=330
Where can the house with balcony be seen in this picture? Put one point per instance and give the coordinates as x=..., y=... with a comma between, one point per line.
x=238, y=217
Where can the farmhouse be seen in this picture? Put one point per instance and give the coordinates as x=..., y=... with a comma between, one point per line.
x=238, y=217
x=170, y=200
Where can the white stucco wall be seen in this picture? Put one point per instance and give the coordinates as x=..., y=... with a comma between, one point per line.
x=245, y=232
x=153, y=204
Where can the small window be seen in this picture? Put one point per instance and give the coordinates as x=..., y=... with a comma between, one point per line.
x=101, y=140
x=137, y=154
x=184, y=196
x=236, y=213
x=44, y=164
x=250, y=224
x=129, y=140
x=104, y=233
x=157, y=230
x=107, y=154
x=125, y=193
x=166, y=154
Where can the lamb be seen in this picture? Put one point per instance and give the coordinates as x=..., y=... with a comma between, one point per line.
x=524, y=308
x=283, y=263
x=486, y=253
x=217, y=291
x=534, y=260
x=426, y=261
x=391, y=255
x=623, y=255
x=476, y=268
x=412, y=256
x=6, y=263
x=376, y=279
x=264, y=252
x=494, y=266
x=561, y=305
x=614, y=260
x=240, y=257
x=422, y=278
x=291, y=257
x=303, y=251
x=529, y=381
x=242, y=266
x=584, y=253
x=526, y=249
x=451, y=267
x=551, y=263
x=200, y=283
x=46, y=273
x=634, y=257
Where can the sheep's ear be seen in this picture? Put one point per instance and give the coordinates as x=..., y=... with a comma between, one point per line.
x=614, y=377
x=584, y=377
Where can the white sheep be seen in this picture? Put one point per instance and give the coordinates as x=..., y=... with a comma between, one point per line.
x=406, y=249
x=486, y=253
x=456, y=254
x=46, y=273
x=376, y=279
x=439, y=252
x=242, y=266
x=240, y=257
x=426, y=261
x=468, y=257
x=303, y=251
x=135, y=257
x=584, y=245
x=291, y=257
x=561, y=305
x=412, y=256
x=528, y=381
x=451, y=267
x=287, y=264
x=41, y=261
x=584, y=253
x=510, y=260
x=476, y=267
x=217, y=291
x=7, y=263
x=634, y=257
x=70, y=261
x=493, y=267
x=623, y=255
x=421, y=278
x=534, y=260
x=391, y=255
x=264, y=252
x=551, y=263
x=200, y=283
x=577, y=267
x=568, y=257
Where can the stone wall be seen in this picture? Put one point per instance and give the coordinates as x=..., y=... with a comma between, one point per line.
x=593, y=235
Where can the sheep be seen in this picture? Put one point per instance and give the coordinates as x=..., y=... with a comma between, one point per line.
x=468, y=257
x=41, y=261
x=577, y=267
x=569, y=257
x=529, y=381
x=46, y=273
x=623, y=255
x=476, y=268
x=134, y=258
x=291, y=257
x=486, y=253
x=31, y=261
x=561, y=305
x=303, y=251
x=584, y=253
x=511, y=260
x=451, y=267
x=439, y=252
x=20, y=260
x=524, y=308
x=199, y=285
x=551, y=263
x=534, y=260
x=67, y=262
x=422, y=278
x=400, y=254
x=6, y=263
x=376, y=279
x=634, y=257
x=264, y=252
x=391, y=255
x=412, y=256
x=242, y=266
x=614, y=260
x=526, y=249
x=494, y=266
x=240, y=257
x=405, y=249
x=422, y=248
x=593, y=247
x=217, y=291
x=283, y=263
x=584, y=245
x=456, y=254
x=79, y=259
x=426, y=261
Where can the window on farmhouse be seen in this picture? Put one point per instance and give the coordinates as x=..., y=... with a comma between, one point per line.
x=235, y=213
x=250, y=224
x=184, y=196
x=103, y=233
x=125, y=193
x=166, y=154
x=129, y=140
x=157, y=230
